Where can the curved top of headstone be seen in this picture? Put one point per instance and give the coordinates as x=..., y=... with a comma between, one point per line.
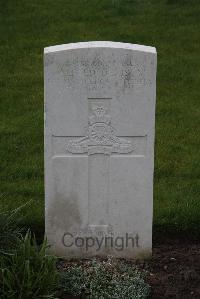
x=99, y=44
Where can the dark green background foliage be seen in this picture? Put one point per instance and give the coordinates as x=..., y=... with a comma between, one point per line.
x=172, y=26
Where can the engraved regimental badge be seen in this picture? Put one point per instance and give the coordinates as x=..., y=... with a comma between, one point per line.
x=101, y=137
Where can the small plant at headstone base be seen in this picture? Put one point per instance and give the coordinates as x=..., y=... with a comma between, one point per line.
x=73, y=281
x=28, y=272
x=110, y=279
x=10, y=228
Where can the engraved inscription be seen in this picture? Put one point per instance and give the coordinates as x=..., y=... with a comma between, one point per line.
x=99, y=73
x=49, y=59
x=101, y=136
x=133, y=72
x=95, y=74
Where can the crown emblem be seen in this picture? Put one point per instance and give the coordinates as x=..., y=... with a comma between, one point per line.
x=99, y=115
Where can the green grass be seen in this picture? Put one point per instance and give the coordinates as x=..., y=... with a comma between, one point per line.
x=172, y=26
x=27, y=271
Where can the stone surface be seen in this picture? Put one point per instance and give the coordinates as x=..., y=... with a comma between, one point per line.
x=99, y=148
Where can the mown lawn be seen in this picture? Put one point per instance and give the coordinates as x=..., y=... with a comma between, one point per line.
x=172, y=26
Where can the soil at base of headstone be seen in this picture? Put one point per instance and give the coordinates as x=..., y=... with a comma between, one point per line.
x=173, y=272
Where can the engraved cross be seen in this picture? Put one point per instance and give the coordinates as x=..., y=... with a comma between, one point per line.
x=99, y=144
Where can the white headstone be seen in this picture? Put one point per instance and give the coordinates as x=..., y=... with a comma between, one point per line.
x=99, y=148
